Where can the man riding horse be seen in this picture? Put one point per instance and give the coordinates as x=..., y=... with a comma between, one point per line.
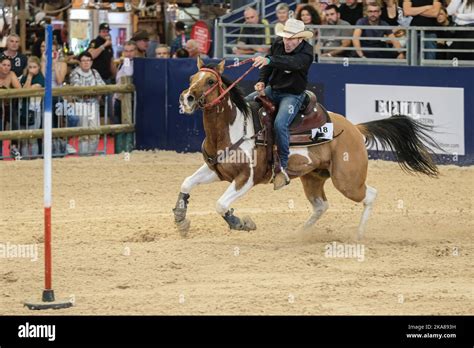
x=226, y=123
x=283, y=79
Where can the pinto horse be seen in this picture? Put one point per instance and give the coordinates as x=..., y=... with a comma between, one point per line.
x=228, y=126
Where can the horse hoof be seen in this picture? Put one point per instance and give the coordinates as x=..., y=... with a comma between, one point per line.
x=248, y=224
x=183, y=227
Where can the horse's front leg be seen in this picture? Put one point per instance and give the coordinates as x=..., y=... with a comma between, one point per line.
x=233, y=192
x=204, y=175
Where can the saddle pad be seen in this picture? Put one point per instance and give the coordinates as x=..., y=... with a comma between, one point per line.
x=316, y=136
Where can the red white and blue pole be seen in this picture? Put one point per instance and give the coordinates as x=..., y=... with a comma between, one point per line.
x=48, y=294
x=48, y=300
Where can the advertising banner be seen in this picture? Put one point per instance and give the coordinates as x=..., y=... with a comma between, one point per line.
x=441, y=107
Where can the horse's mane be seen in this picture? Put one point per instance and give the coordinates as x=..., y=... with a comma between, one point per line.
x=236, y=93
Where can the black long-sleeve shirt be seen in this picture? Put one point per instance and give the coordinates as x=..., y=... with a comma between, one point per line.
x=288, y=72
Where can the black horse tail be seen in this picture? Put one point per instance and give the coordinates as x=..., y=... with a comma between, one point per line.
x=404, y=137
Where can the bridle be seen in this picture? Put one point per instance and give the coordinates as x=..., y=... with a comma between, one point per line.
x=212, y=161
x=219, y=84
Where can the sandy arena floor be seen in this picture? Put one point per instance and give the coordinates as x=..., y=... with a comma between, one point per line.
x=116, y=250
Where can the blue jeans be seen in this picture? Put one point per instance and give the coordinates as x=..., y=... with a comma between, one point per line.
x=72, y=120
x=428, y=45
x=289, y=105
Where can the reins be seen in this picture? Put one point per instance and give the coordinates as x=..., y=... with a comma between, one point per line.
x=223, y=92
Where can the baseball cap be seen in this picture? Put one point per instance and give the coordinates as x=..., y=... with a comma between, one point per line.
x=180, y=25
x=104, y=26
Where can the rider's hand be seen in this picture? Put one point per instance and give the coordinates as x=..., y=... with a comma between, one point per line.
x=260, y=62
x=259, y=87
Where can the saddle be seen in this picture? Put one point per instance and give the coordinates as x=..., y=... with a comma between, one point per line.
x=311, y=116
x=304, y=129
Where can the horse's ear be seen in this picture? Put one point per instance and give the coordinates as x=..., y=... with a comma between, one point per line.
x=200, y=63
x=220, y=66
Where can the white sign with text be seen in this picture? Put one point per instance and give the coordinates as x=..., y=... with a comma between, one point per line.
x=441, y=107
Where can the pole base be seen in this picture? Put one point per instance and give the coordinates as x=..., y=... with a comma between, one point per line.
x=48, y=295
x=48, y=302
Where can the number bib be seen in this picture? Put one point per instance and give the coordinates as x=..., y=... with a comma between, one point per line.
x=323, y=132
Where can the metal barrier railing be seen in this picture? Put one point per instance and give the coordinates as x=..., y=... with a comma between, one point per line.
x=236, y=16
x=452, y=56
x=349, y=55
x=412, y=44
x=81, y=116
x=230, y=33
x=266, y=9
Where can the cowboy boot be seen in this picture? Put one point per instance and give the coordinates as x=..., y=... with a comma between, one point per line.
x=281, y=179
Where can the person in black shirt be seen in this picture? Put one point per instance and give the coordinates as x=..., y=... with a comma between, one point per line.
x=351, y=11
x=19, y=61
x=101, y=50
x=424, y=14
x=285, y=69
x=251, y=17
x=373, y=19
x=443, y=36
x=390, y=12
x=18, y=64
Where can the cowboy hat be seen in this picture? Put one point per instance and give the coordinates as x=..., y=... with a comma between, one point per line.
x=293, y=29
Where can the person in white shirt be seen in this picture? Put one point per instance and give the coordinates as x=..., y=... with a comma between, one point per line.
x=87, y=108
x=125, y=69
x=192, y=47
x=463, y=15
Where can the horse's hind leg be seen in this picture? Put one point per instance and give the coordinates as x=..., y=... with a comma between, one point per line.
x=351, y=183
x=348, y=168
x=204, y=175
x=370, y=194
x=313, y=185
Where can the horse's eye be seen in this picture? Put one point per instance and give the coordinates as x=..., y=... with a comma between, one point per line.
x=211, y=82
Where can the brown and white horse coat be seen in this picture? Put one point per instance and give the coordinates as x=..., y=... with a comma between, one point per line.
x=344, y=159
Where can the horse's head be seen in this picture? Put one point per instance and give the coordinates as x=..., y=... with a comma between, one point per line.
x=204, y=87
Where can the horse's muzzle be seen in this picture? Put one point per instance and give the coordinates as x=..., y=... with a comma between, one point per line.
x=187, y=101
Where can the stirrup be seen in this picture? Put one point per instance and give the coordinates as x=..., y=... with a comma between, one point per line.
x=273, y=173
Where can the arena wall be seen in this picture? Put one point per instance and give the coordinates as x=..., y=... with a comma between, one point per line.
x=443, y=97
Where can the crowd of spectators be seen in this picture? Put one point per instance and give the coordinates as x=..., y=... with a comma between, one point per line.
x=94, y=67
x=395, y=13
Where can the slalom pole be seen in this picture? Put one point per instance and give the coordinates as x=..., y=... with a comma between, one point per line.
x=48, y=293
x=48, y=300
